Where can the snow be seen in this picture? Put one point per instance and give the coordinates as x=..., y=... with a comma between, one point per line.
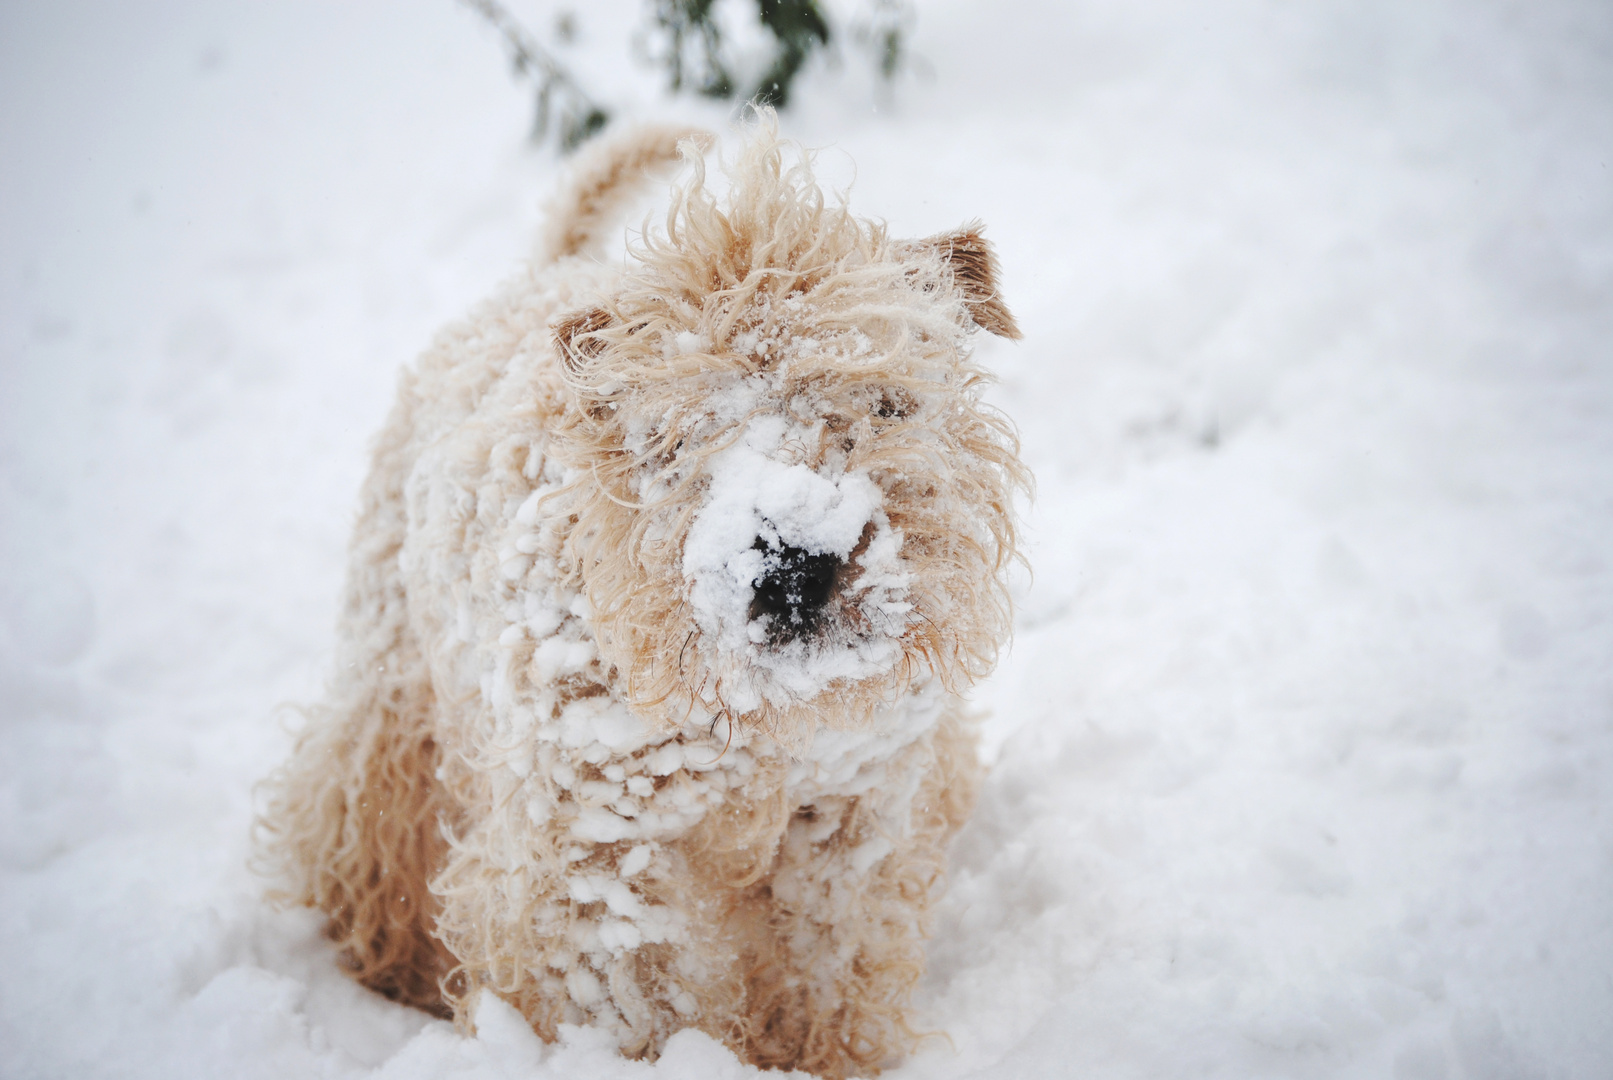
x=1301, y=754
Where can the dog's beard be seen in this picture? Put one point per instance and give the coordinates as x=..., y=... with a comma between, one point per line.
x=795, y=577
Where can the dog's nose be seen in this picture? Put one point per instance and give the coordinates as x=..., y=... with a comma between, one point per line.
x=793, y=589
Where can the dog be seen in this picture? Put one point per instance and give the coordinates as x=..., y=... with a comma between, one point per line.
x=666, y=582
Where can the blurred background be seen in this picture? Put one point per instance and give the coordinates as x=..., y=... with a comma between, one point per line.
x=1303, y=753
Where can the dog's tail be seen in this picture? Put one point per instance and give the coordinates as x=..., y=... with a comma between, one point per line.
x=602, y=185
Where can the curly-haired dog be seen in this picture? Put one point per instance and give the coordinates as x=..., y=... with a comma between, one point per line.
x=664, y=585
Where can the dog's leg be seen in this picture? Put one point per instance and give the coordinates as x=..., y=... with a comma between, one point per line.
x=353, y=820
x=849, y=899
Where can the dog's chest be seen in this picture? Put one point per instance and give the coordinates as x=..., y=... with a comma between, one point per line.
x=485, y=555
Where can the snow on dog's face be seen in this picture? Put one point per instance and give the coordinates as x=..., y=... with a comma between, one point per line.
x=790, y=502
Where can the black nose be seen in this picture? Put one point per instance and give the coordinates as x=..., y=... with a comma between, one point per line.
x=793, y=589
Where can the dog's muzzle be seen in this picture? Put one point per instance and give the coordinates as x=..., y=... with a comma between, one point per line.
x=793, y=589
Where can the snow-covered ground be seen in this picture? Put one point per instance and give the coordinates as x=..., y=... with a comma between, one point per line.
x=1303, y=756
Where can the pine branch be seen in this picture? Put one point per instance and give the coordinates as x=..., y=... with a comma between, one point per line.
x=799, y=27
x=558, y=93
x=691, y=20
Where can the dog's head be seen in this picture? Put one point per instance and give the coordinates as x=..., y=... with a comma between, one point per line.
x=790, y=502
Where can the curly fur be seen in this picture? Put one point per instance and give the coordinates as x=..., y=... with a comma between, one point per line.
x=548, y=768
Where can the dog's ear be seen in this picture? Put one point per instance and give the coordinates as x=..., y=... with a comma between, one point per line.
x=576, y=336
x=975, y=273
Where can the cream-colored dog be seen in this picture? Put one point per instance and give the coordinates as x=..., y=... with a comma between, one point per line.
x=664, y=585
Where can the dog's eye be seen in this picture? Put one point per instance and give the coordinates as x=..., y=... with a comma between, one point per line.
x=894, y=404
